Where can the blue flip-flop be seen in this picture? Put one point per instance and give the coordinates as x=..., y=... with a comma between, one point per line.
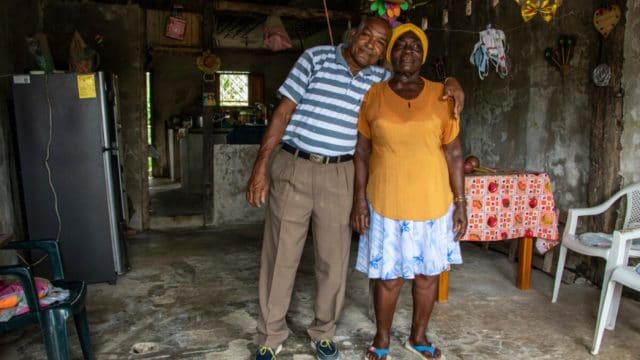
x=379, y=353
x=420, y=349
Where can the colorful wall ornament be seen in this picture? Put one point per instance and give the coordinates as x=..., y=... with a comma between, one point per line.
x=389, y=10
x=545, y=8
x=606, y=18
x=562, y=54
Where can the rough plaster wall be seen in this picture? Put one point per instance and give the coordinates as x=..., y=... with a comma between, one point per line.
x=177, y=86
x=533, y=119
x=274, y=66
x=122, y=27
x=16, y=22
x=629, y=162
x=232, y=168
x=558, y=116
x=177, y=89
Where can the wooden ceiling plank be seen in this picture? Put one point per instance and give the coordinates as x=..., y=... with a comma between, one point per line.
x=278, y=10
x=250, y=28
x=230, y=29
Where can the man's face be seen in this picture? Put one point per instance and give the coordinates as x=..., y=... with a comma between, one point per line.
x=369, y=42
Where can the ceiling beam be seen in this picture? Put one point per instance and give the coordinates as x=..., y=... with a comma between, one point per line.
x=278, y=10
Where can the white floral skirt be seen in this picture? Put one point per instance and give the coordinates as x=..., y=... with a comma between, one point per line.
x=392, y=249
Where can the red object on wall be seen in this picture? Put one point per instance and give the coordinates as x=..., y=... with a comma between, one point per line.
x=176, y=28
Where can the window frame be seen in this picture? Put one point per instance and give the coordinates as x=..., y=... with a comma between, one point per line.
x=219, y=75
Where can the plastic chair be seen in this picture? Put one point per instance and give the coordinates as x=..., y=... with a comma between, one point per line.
x=571, y=240
x=621, y=275
x=52, y=319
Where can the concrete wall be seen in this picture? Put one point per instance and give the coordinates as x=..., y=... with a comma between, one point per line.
x=177, y=86
x=274, y=66
x=122, y=28
x=18, y=19
x=533, y=119
x=232, y=168
x=629, y=162
x=176, y=89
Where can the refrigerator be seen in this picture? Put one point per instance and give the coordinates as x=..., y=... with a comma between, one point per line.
x=70, y=170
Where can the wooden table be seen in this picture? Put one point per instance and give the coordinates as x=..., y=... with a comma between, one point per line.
x=510, y=205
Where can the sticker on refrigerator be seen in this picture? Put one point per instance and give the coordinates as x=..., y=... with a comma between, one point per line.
x=21, y=79
x=86, y=87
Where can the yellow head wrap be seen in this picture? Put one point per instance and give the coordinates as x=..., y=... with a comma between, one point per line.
x=401, y=29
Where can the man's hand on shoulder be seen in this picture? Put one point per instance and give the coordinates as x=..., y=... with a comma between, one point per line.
x=453, y=90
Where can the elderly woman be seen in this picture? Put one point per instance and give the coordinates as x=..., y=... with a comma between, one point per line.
x=409, y=204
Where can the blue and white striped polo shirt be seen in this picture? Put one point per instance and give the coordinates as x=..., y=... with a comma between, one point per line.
x=328, y=99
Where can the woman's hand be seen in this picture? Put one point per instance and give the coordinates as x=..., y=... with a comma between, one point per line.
x=360, y=216
x=460, y=219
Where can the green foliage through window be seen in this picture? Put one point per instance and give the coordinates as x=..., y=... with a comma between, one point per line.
x=234, y=88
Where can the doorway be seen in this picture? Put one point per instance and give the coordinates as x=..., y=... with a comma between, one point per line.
x=174, y=164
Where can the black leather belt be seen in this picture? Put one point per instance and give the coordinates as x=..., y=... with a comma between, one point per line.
x=320, y=159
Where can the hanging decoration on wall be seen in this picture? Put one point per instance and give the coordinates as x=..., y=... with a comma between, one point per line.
x=274, y=34
x=468, y=10
x=606, y=18
x=562, y=54
x=176, y=26
x=545, y=8
x=445, y=17
x=208, y=63
x=82, y=58
x=490, y=51
x=601, y=75
x=389, y=9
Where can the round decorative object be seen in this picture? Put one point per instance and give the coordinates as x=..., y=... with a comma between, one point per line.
x=601, y=75
x=208, y=63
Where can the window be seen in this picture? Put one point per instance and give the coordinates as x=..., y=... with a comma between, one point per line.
x=234, y=88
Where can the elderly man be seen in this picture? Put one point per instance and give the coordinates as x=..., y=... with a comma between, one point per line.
x=311, y=179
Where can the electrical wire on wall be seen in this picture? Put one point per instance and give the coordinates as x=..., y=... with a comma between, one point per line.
x=49, y=177
x=48, y=155
x=506, y=31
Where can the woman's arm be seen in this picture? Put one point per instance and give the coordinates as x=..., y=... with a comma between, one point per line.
x=454, y=155
x=360, y=209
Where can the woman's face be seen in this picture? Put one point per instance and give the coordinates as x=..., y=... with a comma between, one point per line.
x=406, y=54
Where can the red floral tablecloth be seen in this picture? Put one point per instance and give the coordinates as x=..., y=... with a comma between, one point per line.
x=511, y=205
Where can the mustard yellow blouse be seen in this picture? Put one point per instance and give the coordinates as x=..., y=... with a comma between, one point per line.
x=408, y=174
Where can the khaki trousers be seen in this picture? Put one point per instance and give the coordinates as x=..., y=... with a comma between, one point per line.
x=302, y=191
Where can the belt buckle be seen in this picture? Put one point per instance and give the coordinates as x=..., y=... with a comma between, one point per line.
x=316, y=158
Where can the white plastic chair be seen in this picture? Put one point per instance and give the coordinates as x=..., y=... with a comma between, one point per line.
x=571, y=240
x=621, y=275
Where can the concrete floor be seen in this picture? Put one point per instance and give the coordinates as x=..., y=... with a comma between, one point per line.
x=192, y=295
x=171, y=207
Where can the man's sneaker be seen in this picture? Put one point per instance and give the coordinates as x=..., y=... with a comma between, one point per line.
x=326, y=350
x=267, y=352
